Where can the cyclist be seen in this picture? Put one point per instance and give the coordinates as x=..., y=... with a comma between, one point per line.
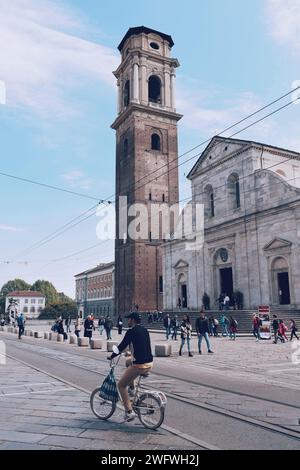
x=139, y=339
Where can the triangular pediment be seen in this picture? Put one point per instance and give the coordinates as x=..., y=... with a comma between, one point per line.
x=217, y=150
x=181, y=264
x=277, y=243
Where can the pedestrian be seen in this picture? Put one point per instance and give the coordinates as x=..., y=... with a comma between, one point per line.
x=174, y=327
x=282, y=331
x=202, y=329
x=167, y=325
x=155, y=316
x=220, y=301
x=179, y=303
x=256, y=323
x=20, y=323
x=206, y=301
x=232, y=328
x=211, y=325
x=226, y=302
x=186, y=334
x=77, y=326
x=224, y=322
x=88, y=327
x=108, y=327
x=215, y=325
x=275, y=326
x=60, y=329
x=101, y=325
x=293, y=328
x=120, y=325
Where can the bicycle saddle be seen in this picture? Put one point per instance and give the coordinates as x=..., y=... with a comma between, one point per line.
x=144, y=376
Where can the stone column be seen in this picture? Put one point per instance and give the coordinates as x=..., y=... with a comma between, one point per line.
x=144, y=85
x=136, y=82
x=173, y=76
x=167, y=89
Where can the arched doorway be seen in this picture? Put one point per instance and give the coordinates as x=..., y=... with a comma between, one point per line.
x=182, y=290
x=281, y=282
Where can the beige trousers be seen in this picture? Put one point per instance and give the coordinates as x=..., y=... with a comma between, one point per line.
x=128, y=378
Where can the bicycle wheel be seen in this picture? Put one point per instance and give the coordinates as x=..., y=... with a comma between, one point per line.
x=150, y=411
x=101, y=408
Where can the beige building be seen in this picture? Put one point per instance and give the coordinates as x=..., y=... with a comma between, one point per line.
x=251, y=197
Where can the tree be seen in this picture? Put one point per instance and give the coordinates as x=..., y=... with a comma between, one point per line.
x=48, y=290
x=10, y=286
x=61, y=309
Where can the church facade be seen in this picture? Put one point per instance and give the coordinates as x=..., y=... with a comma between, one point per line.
x=251, y=198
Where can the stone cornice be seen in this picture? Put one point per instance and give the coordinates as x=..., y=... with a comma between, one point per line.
x=145, y=109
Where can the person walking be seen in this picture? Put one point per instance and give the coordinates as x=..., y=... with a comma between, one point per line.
x=186, y=334
x=77, y=327
x=202, y=329
x=60, y=330
x=220, y=300
x=88, y=327
x=120, y=325
x=224, y=322
x=20, y=323
x=256, y=322
x=275, y=326
x=215, y=327
x=293, y=328
x=232, y=328
x=101, y=325
x=167, y=325
x=282, y=331
x=226, y=302
x=108, y=327
x=174, y=327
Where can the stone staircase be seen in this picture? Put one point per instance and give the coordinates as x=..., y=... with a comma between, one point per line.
x=243, y=317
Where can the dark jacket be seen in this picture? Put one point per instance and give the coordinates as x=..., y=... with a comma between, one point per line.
x=139, y=337
x=108, y=324
x=202, y=326
x=275, y=324
x=167, y=322
x=88, y=328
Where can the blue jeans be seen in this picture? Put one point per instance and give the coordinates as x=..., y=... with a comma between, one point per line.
x=205, y=336
x=188, y=341
x=101, y=328
x=224, y=330
x=168, y=331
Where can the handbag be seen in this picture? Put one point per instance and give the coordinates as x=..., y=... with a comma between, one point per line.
x=108, y=390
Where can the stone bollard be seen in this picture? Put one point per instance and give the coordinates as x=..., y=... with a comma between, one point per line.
x=46, y=335
x=16, y=331
x=163, y=350
x=27, y=333
x=73, y=339
x=54, y=336
x=10, y=329
x=60, y=338
x=83, y=342
x=96, y=344
x=1, y=328
x=31, y=333
x=38, y=334
x=110, y=345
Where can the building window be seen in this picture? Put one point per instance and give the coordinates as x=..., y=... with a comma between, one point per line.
x=154, y=89
x=163, y=198
x=127, y=94
x=155, y=142
x=233, y=189
x=26, y=301
x=150, y=197
x=25, y=309
x=161, y=284
x=154, y=45
x=41, y=301
x=32, y=310
x=33, y=301
x=209, y=202
x=125, y=148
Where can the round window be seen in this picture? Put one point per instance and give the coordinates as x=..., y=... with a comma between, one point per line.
x=154, y=45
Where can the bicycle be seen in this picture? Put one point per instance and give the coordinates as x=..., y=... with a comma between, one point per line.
x=148, y=405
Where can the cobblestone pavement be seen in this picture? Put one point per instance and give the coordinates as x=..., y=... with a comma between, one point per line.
x=39, y=412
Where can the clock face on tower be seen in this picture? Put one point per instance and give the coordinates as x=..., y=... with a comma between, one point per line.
x=223, y=254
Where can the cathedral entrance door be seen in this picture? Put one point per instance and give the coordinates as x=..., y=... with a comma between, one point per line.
x=184, y=296
x=226, y=281
x=284, y=288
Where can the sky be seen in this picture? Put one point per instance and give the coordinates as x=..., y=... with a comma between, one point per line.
x=56, y=63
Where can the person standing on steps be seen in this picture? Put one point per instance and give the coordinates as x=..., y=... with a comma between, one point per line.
x=202, y=330
x=186, y=334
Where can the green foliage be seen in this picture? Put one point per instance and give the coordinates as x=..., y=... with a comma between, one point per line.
x=60, y=309
x=48, y=290
x=10, y=286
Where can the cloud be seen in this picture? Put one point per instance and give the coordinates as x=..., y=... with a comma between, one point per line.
x=8, y=228
x=77, y=179
x=44, y=60
x=283, y=19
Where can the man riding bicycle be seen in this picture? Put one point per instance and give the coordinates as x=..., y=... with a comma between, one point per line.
x=139, y=338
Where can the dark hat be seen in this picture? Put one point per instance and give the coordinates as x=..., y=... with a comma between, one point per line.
x=134, y=316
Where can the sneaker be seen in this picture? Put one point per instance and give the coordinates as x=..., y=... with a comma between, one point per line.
x=191, y=355
x=200, y=352
x=210, y=351
x=129, y=416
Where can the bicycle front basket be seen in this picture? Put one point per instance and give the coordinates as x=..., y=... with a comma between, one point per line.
x=108, y=390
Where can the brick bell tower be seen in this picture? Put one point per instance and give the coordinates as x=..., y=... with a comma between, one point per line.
x=146, y=140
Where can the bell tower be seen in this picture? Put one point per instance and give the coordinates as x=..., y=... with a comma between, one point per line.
x=146, y=141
